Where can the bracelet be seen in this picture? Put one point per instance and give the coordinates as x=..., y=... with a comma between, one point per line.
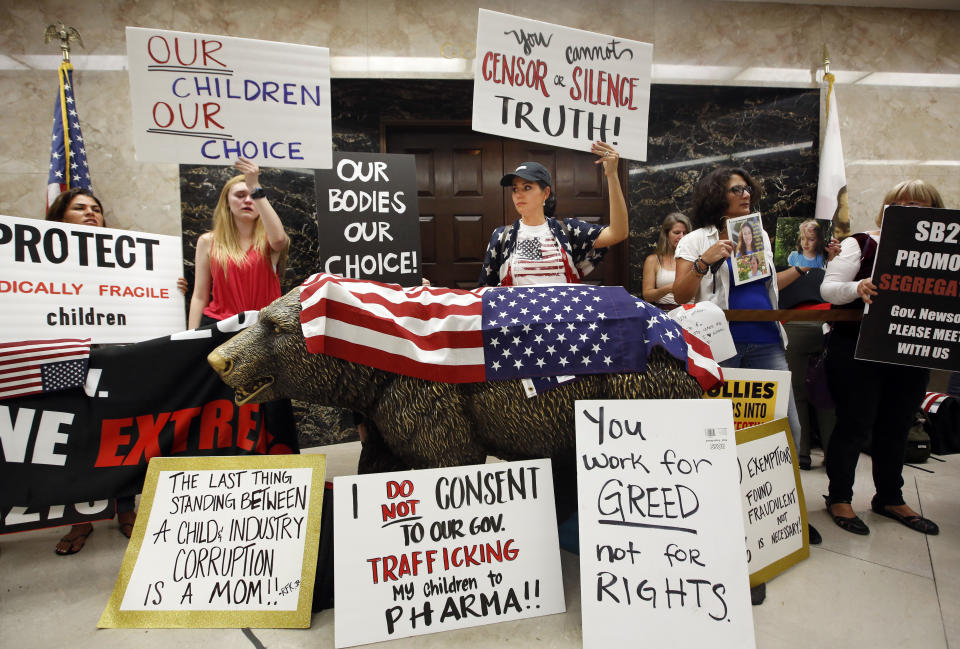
x=696, y=266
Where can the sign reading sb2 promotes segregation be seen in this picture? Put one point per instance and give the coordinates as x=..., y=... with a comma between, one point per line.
x=203, y=99
x=418, y=552
x=59, y=280
x=661, y=533
x=555, y=85
x=915, y=316
x=368, y=218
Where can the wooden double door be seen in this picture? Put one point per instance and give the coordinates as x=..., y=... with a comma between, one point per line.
x=461, y=201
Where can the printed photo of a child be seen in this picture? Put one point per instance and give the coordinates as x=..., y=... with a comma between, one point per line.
x=746, y=234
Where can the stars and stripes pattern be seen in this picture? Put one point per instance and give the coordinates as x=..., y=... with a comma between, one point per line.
x=35, y=366
x=489, y=334
x=931, y=402
x=538, y=258
x=68, y=154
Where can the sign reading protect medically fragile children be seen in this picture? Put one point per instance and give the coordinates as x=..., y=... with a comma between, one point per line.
x=59, y=280
x=221, y=543
x=205, y=99
x=418, y=552
x=560, y=86
x=662, y=562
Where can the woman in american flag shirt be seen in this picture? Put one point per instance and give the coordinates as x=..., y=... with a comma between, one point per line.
x=540, y=249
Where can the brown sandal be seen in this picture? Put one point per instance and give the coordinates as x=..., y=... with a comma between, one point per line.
x=74, y=541
x=126, y=521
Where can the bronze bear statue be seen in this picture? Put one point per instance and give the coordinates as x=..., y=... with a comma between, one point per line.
x=413, y=423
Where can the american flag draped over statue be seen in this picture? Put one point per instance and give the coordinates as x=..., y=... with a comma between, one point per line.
x=489, y=334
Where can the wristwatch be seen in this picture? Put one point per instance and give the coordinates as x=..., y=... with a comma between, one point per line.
x=258, y=192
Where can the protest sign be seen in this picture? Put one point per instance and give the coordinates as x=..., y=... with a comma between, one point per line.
x=20, y=519
x=76, y=281
x=222, y=542
x=661, y=526
x=914, y=318
x=368, y=218
x=706, y=321
x=93, y=443
x=204, y=99
x=418, y=552
x=560, y=86
x=757, y=396
x=774, y=509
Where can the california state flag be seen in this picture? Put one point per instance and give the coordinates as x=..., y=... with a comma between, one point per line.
x=832, y=185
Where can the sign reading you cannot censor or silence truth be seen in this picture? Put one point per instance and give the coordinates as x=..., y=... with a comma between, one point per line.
x=567, y=87
x=59, y=280
x=915, y=316
x=206, y=99
x=222, y=542
x=424, y=551
x=368, y=218
x=661, y=525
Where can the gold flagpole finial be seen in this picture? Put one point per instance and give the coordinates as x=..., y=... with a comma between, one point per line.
x=826, y=60
x=63, y=34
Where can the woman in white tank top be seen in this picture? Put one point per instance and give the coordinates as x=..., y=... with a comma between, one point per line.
x=659, y=269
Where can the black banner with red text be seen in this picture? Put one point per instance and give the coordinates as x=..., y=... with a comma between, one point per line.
x=159, y=397
x=915, y=316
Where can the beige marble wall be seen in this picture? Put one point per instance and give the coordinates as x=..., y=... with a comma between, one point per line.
x=889, y=132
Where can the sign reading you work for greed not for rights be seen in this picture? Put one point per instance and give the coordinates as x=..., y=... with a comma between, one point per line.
x=661, y=525
x=418, y=552
x=555, y=85
x=204, y=99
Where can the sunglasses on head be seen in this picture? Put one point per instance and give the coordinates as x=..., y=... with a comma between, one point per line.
x=740, y=190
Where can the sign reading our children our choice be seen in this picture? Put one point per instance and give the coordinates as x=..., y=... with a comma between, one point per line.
x=418, y=552
x=206, y=99
x=555, y=85
x=59, y=280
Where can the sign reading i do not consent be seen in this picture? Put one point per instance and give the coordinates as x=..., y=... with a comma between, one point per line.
x=661, y=525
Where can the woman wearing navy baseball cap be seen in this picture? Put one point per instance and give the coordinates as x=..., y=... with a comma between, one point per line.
x=540, y=249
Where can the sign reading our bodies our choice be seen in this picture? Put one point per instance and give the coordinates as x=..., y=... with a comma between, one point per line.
x=222, y=542
x=369, y=219
x=661, y=525
x=59, y=280
x=555, y=85
x=418, y=552
x=204, y=99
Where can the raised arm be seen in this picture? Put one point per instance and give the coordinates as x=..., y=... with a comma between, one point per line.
x=619, y=227
x=276, y=235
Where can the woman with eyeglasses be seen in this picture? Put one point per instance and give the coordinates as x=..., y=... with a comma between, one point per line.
x=705, y=273
x=872, y=399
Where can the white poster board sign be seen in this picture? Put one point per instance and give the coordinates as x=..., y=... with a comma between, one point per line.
x=418, y=552
x=59, y=280
x=758, y=396
x=661, y=532
x=205, y=99
x=706, y=321
x=560, y=86
x=222, y=542
x=774, y=509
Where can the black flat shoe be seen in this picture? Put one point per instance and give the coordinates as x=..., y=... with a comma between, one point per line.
x=851, y=524
x=918, y=523
x=815, y=538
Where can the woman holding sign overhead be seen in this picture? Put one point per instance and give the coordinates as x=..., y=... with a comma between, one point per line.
x=239, y=262
x=871, y=398
x=540, y=249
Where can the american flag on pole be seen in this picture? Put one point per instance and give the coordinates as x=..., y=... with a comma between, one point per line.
x=832, y=181
x=490, y=334
x=34, y=366
x=68, y=155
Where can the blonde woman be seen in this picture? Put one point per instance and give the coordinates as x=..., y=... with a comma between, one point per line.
x=659, y=269
x=238, y=263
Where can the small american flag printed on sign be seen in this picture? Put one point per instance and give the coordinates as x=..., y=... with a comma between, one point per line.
x=34, y=366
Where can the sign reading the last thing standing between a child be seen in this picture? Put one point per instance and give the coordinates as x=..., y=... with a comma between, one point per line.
x=661, y=525
x=204, y=99
x=560, y=86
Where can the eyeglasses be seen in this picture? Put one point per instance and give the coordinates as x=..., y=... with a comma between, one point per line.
x=740, y=190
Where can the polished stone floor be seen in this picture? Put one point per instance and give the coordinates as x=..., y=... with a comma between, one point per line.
x=892, y=589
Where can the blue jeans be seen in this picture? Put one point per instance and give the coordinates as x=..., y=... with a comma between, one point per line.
x=768, y=356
